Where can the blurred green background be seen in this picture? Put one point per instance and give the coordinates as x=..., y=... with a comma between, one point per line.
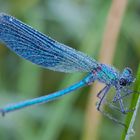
x=79, y=24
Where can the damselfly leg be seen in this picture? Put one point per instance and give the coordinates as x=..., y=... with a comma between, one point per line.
x=102, y=96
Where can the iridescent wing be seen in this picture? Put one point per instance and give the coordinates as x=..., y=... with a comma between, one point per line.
x=41, y=49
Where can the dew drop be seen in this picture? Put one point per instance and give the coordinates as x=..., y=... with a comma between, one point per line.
x=10, y=19
x=131, y=133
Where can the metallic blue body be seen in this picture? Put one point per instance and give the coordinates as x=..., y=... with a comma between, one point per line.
x=46, y=98
x=46, y=52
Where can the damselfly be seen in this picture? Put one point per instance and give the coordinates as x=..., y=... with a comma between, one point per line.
x=48, y=53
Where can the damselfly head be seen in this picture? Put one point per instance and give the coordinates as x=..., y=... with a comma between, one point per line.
x=126, y=77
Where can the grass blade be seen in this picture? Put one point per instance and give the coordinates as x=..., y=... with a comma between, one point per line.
x=130, y=120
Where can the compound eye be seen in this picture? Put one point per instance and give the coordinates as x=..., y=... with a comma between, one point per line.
x=129, y=70
x=123, y=82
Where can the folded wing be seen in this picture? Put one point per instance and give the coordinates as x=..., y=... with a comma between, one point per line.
x=41, y=49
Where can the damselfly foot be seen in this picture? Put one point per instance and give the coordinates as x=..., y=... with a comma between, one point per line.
x=113, y=119
x=2, y=112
